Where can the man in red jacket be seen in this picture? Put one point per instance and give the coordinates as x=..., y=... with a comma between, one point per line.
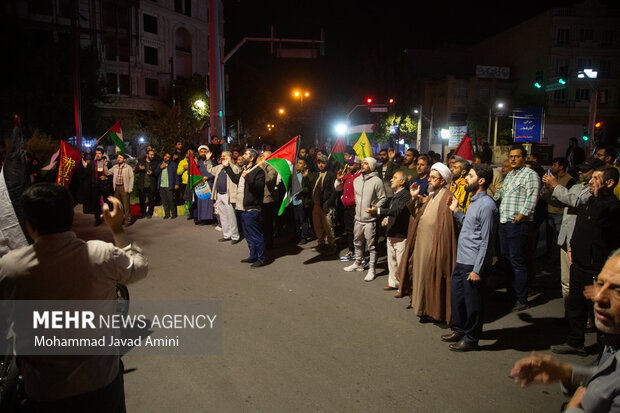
x=344, y=183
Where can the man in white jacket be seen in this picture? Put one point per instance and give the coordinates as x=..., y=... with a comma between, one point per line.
x=122, y=179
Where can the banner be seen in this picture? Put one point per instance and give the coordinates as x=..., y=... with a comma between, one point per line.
x=528, y=124
x=69, y=159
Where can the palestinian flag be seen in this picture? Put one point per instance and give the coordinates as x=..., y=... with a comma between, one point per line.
x=362, y=147
x=355, y=132
x=338, y=151
x=193, y=175
x=13, y=182
x=116, y=133
x=51, y=163
x=283, y=161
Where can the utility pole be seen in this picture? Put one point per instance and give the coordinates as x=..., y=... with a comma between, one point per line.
x=215, y=71
x=419, y=137
x=75, y=59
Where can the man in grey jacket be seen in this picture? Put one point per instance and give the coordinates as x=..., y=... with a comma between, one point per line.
x=571, y=199
x=369, y=192
x=593, y=388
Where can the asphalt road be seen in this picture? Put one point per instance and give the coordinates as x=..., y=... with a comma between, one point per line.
x=303, y=335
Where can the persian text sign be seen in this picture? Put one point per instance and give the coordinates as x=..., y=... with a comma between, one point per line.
x=492, y=72
x=528, y=124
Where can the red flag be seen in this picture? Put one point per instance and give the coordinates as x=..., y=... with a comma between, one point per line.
x=69, y=159
x=464, y=148
x=194, y=174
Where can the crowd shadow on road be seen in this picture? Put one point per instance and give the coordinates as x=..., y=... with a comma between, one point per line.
x=537, y=334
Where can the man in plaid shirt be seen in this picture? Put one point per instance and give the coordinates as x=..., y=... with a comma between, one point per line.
x=518, y=198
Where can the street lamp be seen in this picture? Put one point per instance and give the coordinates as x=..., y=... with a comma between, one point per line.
x=498, y=105
x=591, y=75
x=281, y=111
x=445, y=135
x=341, y=129
x=301, y=95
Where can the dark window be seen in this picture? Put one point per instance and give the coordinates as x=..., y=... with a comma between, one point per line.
x=116, y=48
x=607, y=37
x=183, y=6
x=109, y=45
x=151, y=87
x=605, y=67
x=582, y=94
x=559, y=96
x=64, y=8
x=117, y=84
x=150, y=55
x=603, y=96
x=150, y=24
x=586, y=35
x=563, y=36
x=40, y=7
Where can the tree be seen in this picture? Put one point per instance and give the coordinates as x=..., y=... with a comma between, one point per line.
x=395, y=125
x=185, y=121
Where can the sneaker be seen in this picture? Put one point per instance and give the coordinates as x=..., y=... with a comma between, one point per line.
x=520, y=307
x=354, y=267
x=218, y=228
x=348, y=257
x=370, y=275
x=568, y=349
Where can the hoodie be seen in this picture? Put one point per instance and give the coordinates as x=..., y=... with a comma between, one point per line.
x=369, y=191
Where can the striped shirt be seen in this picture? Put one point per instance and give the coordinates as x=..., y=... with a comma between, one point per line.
x=519, y=195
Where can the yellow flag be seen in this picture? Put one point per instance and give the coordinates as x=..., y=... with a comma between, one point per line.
x=362, y=147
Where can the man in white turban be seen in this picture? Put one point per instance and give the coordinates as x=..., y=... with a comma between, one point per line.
x=430, y=253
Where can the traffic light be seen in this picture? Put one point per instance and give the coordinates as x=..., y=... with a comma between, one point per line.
x=391, y=101
x=585, y=136
x=540, y=77
x=561, y=81
x=369, y=100
x=598, y=131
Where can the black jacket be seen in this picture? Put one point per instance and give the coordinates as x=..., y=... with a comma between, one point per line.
x=254, y=190
x=398, y=214
x=596, y=232
x=141, y=174
x=328, y=193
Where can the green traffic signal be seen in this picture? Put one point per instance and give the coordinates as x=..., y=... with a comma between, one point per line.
x=561, y=81
x=585, y=138
x=537, y=85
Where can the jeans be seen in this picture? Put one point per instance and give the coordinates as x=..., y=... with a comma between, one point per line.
x=301, y=222
x=467, y=302
x=513, y=242
x=167, y=201
x=253, y=235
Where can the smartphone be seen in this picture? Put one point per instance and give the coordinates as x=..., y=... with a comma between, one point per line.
x=549, y=172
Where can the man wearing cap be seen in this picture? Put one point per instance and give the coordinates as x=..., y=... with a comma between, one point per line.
x=344, y=183
x=571, y=199
x=224, y=194
x=324, y=200
x=426, y=268
x=369, y=194
x=518, y=196
x=122, y=181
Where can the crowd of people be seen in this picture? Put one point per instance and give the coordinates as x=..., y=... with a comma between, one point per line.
x=445, y=228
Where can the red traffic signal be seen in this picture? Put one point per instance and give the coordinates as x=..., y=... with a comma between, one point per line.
x=369, y=100
x=598, y=125
x=391, y=101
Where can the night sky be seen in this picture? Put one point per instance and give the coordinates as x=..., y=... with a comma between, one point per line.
x=364, y=47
